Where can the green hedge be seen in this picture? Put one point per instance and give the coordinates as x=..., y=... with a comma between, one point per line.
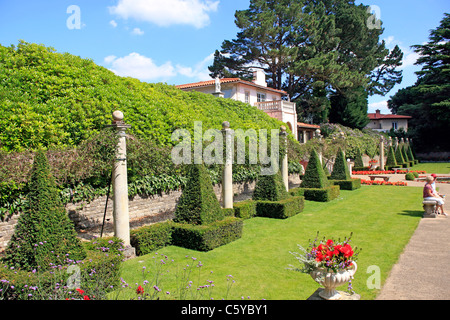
x=351, y=184
x=270, y=188
x=150, y=238
x=282, y=209
x=207, y=237
x=245, y=209
x=322, y=195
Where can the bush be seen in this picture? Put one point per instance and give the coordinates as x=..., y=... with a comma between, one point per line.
x=410, y=176
x=245, y=209
x=270, y=188
x=399, y=157
x=150, y=238
x=391, y=161
x=351, y=184
x=282, y=209
x=207, y=237
x=198, y=203
x=44, y=234
x=322, y=195
x=99, y=274
x=297, y=192
x=314, y=176
x=340, y=168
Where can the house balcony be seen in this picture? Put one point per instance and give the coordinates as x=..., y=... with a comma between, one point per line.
x=277, y=105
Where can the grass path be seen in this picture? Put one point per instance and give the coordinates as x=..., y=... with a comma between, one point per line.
x=382, y=219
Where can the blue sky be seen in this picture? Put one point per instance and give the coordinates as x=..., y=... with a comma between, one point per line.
x=173, y=41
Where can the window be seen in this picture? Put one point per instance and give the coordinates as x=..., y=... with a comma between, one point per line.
x=247, y=97
x=395, y=125
x=261, y=97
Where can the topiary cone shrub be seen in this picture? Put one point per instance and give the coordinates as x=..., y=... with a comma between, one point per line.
x=399, y=157
x=315, y=183
x=44, y=234
x=272, y=200
x=341, y=174
x=200, y=223
x=391, y=162
x=198, y=203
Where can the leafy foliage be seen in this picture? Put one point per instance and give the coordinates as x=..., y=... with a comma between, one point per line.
x=340, y=169
x=270, y=188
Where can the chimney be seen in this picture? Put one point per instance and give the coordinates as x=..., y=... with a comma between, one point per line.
x=259, y=77
x=378, y=111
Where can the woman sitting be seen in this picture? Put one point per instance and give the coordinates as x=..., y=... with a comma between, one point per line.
x=429, y=194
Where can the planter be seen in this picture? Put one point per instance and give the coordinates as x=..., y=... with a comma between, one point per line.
x=331, y=280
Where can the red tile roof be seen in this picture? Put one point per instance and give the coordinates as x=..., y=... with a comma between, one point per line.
x=307, y=125
x=379, y=116
x=226, y=80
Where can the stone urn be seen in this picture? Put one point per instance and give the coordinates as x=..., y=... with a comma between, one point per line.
x=331, y=280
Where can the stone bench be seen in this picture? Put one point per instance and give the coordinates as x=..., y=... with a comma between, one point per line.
x=430, y=209
x=385, y=178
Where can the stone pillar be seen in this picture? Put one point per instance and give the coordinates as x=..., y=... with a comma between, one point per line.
x=381, y=155
x=120, y=182
x=284, y=161
x=227, y=177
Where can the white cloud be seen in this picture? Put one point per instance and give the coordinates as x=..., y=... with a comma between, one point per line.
x=167, y=12
x=200, y=71
x=137, y=31
x=381, y=105
x=113, y=23
x=140, y=67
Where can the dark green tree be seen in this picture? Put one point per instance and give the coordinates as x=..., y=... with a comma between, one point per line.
x=44, y=234
x=428, y=100
x=350, y=108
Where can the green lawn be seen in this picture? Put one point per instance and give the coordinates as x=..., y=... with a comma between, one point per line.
x=382, y=219
x=433, y=167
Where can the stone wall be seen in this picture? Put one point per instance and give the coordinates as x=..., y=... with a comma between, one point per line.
x=88, y=217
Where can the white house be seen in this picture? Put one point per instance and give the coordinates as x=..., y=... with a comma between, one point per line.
x=386, y=122
x=255, y=93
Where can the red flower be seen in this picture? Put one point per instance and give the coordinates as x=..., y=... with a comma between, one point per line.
x=80, y=291
x=329, y=243
x=319, y=257
x=86, y=298
x=140, y=290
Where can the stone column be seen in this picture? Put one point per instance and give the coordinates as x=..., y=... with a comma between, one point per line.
x=284, y=161
x=120, y=182
x=381, y=155
x=227, y=177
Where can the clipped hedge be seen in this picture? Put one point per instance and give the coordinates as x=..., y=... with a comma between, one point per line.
x=282, y=209
x=207, y=237
x=245, y=209
x=340, y=168
x=150, y=238
x=314, y=176
x=270, y=188
x=322, y=194
x=351, y=184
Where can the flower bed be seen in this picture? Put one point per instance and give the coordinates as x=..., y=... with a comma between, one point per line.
x=383, y=183
x=386, y=172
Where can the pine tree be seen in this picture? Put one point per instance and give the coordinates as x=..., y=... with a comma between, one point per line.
x=44, y=234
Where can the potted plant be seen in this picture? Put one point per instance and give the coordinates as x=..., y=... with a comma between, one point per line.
x=330, y=263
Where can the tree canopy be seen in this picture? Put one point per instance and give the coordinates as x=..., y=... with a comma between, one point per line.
x=312, y=49
x=428, y=100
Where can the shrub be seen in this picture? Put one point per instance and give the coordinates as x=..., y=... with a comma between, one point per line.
x=399, y=157
x=410, y=176
x=44, y=234
x=358, y=159
x=340, y=169
x=207, y=237
x=391, y=161
x=150, y=238
x=270, y=188
x=245, y=209
x=198, y=203
x=322, y=194
x=282, y=209
x=351, y=184
x=314, y=176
